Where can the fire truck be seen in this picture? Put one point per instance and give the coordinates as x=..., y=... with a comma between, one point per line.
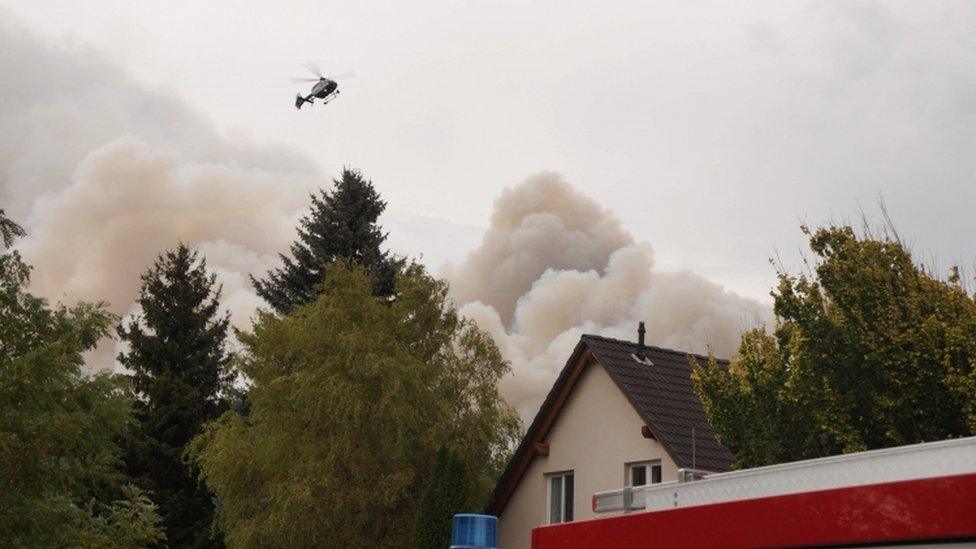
x=907, y=496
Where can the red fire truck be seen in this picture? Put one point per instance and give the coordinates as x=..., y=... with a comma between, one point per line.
x=918, y=495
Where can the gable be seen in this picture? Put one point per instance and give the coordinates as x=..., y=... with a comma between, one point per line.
x=540, y=426
x=661, y=394
x=597, y=432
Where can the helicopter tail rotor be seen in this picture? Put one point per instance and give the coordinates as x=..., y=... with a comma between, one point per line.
x=299, y=100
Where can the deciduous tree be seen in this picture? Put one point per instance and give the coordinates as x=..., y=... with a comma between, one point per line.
x=870, y=350
x=59, y=481
x=352, y=396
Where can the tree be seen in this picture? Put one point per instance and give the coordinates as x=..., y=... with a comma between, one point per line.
x=341, y=226
x=59, y=485
x=131, y=521
x=9, y=230
x=351, y=398
x=870, y=350
x=446, y=494
x=178, y=359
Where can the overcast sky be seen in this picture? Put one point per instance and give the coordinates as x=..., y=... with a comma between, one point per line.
x=711, y=129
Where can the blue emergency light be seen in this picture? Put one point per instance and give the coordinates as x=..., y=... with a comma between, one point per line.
x=474, y=532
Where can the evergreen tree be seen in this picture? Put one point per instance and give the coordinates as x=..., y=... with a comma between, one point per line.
x=341, y=226
x=178, y=361
x=446, y=494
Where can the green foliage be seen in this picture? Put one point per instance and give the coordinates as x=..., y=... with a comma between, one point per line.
x=58, y=426
x=352, y=396
x=756, y=407
x=445, y=495
x=131, y=521
x=341, y=226
x=179, y=371
x=9, y=230
x=869, y=351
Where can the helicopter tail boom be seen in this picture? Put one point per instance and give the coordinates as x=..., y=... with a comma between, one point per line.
x=299, y=100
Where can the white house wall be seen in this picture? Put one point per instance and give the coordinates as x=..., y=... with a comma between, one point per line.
x=595, y=434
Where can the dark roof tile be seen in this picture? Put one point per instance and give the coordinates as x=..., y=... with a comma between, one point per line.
x=663, y=395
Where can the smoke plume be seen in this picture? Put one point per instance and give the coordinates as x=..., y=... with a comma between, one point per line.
x=554, y=265
x=106, y=173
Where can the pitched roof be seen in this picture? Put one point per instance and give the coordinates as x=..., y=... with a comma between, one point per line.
x=663, y=396
x=660, y=392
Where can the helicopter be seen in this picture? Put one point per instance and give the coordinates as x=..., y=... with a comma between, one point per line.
x=325, y=88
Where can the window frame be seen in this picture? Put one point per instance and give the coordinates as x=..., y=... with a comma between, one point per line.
x=649, y=466
x=567, y=504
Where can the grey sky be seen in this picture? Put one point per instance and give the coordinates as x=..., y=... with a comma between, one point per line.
x=711, y=129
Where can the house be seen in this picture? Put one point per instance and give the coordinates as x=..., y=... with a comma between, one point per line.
x=619, y=414
x=919, y=495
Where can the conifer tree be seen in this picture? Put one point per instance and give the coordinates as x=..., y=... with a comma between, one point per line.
x=178, y=359
x=446, y=494
x=341, y=226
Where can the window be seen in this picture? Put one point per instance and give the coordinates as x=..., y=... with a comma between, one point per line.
x=560, y=497
x=643, y=473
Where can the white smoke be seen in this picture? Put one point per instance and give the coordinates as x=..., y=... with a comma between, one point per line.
x=105, y=174
x=554, y=265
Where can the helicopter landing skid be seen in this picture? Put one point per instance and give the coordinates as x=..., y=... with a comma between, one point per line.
x=328, y=99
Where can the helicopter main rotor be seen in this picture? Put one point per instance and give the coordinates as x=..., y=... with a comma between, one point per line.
x=313, y=68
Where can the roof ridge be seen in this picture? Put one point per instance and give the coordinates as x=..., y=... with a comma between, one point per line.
x=662, y=402
x=654, y=347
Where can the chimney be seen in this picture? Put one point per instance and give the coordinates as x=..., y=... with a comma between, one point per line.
x=641, y=354
x=640, y=341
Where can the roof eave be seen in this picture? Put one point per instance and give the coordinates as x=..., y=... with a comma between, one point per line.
x=537, y=430
x=545, y=418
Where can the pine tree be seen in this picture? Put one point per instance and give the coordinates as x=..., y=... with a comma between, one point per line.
x=177, y=356
x=445, y=495
x=341, y=226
